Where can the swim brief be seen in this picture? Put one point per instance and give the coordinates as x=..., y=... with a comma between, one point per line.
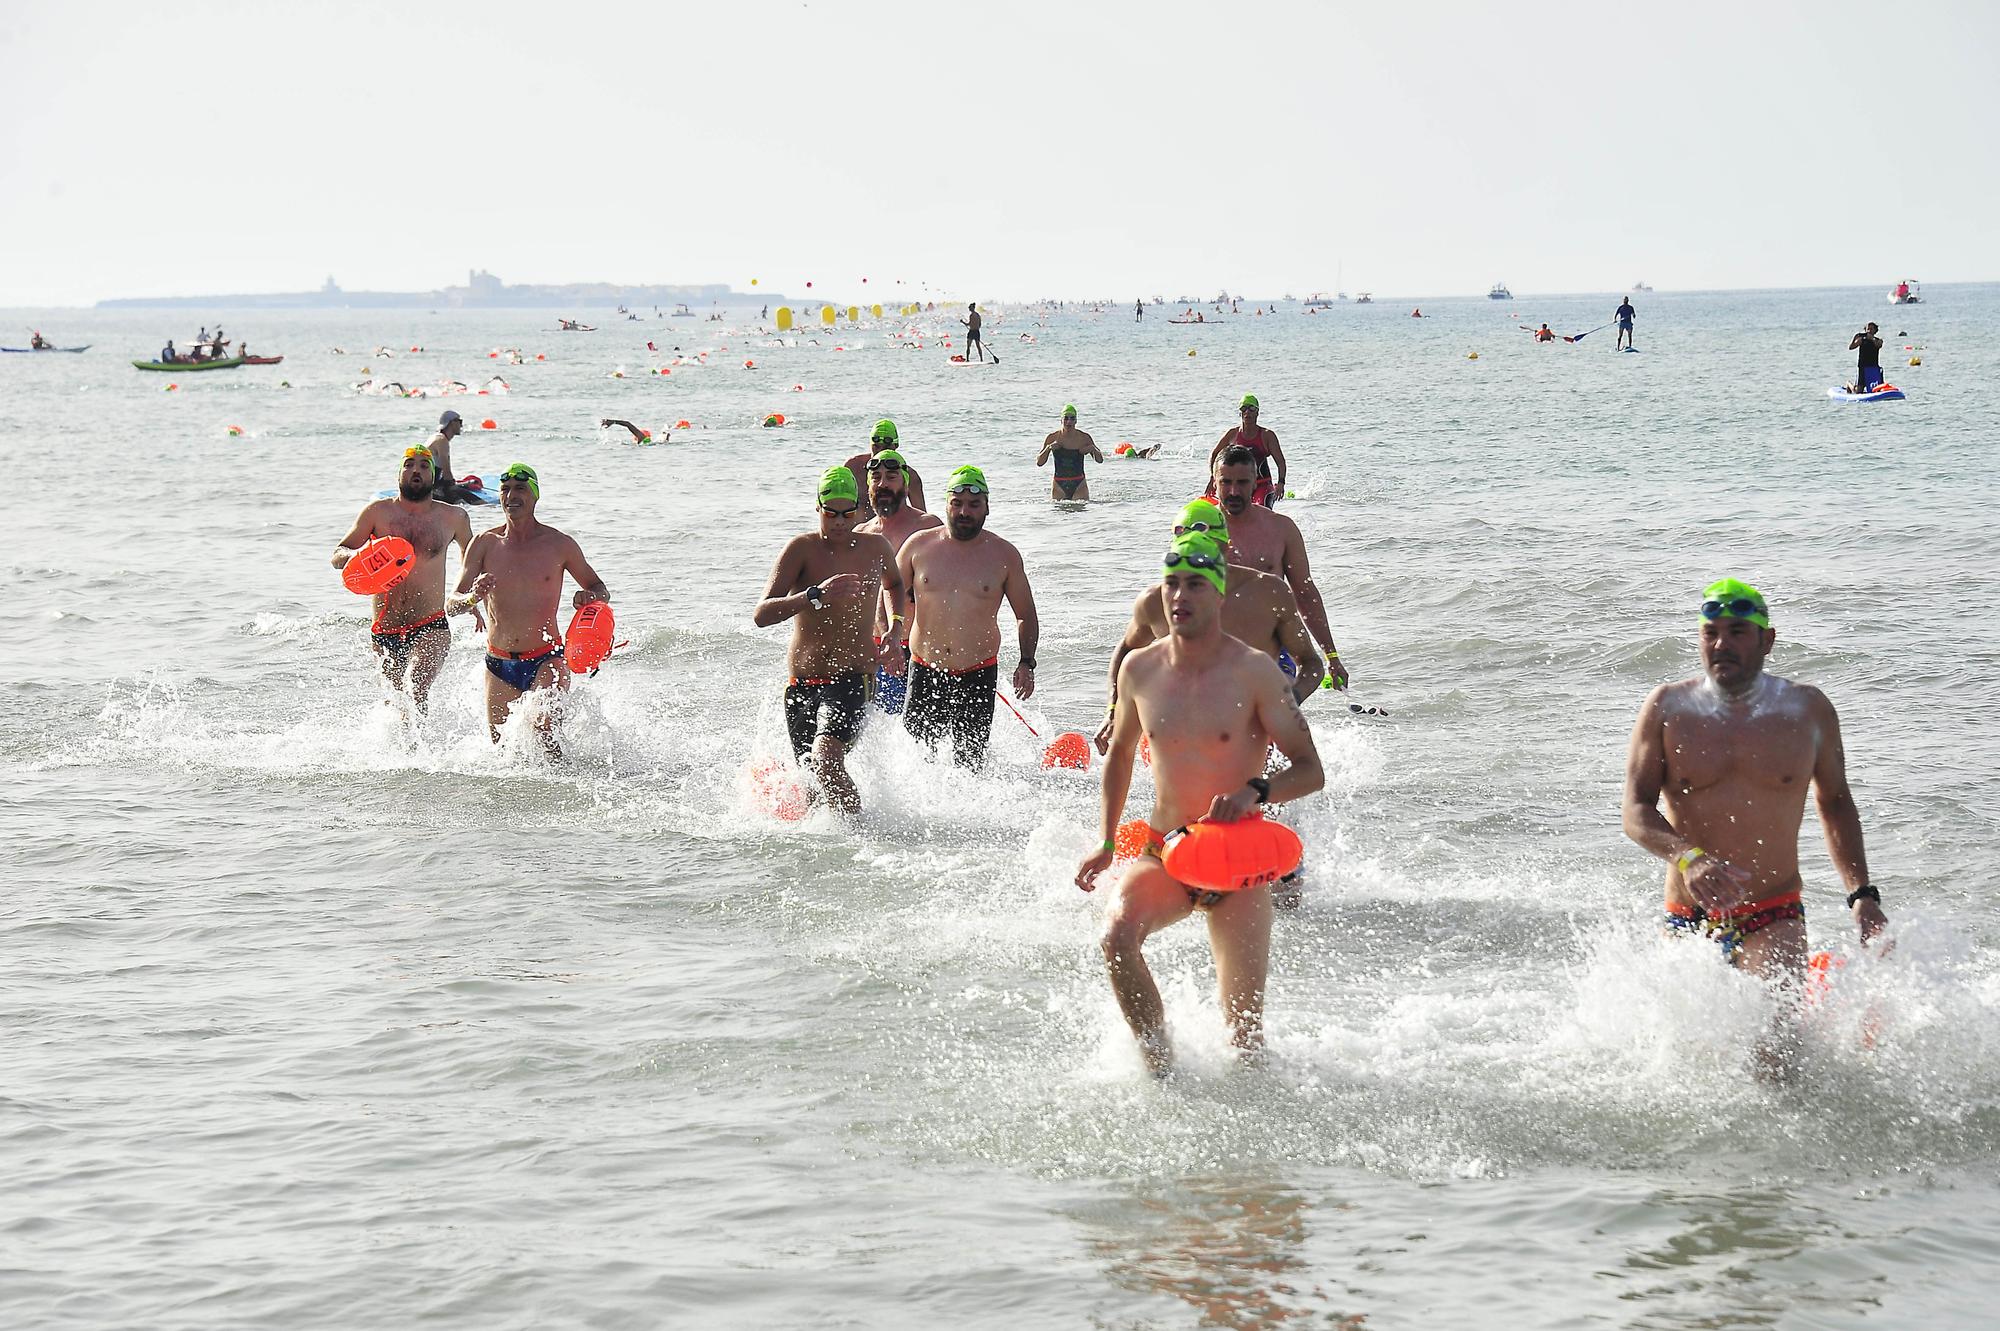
x=1732, y=927
x=1068, y=485
x=954, y=702
x=830, y=706
x=518, y=672
x=1287, y=664
x=396, y=645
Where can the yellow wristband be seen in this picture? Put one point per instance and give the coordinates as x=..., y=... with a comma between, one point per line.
x=1688, y=856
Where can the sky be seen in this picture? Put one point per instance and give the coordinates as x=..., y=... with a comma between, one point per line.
x=999, y=150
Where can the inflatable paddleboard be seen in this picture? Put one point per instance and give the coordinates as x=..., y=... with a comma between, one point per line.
x=1886, y=393
x=485, y=496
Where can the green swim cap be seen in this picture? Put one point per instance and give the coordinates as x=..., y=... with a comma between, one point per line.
x=966, y=478
x=1069, y=410
x=1735, y=599
x=884, y=429
x=1205, y=513
x=1197, y=553
x=838, y=483
x=1249, y=400
x=521, y=471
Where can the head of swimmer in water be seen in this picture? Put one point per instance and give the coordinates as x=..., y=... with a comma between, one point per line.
x=419, y=475
x=1235, y=479
x=965, y=511
x=1247, y=409
x=1194, y=577
x=888, y=482
x=839, y=502
x=520, y=490
x=1736, y=634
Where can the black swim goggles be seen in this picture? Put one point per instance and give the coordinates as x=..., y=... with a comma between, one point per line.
x=1205, y=528
x=1175, y=558
x=1740, y=607
x=885, y=466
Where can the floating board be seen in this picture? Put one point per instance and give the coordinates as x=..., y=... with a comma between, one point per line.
x=485, y=496
x=84, y=347
x=1886, y=393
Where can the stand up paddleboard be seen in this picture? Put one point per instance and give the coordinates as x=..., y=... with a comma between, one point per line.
x=1886, y=393
x=485, y=496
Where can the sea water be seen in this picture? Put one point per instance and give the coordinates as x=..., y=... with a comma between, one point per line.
x=319, y=1014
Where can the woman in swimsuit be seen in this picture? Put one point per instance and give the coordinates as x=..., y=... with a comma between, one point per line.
x=1068, y=447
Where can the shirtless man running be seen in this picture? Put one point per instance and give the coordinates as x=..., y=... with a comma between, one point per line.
x=1732, y=755
x=895, y=522
x=884, y=436
x=826, y=582
x=410, y=634
x=1211, y=708
x=1270, y=543
x=517, y=570
x=1264, y=450
x=955, y=577
x=1068, y=446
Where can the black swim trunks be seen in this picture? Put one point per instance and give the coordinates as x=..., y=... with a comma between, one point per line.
x=830, y=707
x=955, y=703
x=397, y=645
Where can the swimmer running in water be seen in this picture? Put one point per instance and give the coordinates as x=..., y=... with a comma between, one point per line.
x=1272, y=543
x=411, y=635
x=1263, y=446
x=1068, y=446
x=885, y=436
x=826, y=582
x=1731, y=754
x=895, y=522
x=517, y=570
x=1211, y=708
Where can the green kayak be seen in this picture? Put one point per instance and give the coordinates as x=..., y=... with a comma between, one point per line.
x=190, y=366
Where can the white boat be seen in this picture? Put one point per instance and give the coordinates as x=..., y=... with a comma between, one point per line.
x=1640, y=286
x=1364, y=299
x=1499, y=292
x=1906, y=292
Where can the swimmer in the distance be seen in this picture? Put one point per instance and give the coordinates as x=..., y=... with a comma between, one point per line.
x=1211, y=709
x=1732, y=754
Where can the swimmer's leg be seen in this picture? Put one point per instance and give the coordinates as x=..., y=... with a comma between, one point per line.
x=1239, y=931
x=553, y=678
x=1777, y=954
x=395, y=666
x=426, y=663
x=1144, y=900
x=829, y=764
x=500, y=699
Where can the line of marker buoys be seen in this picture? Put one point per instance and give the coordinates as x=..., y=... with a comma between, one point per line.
x=378, y=566
x=1228, y=857
x=588, y=641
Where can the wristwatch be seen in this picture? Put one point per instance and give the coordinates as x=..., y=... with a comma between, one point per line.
x=1262, y=786
x=815, y=597
x=1027, y=663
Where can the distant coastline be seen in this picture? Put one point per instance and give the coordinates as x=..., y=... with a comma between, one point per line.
x=482, y=290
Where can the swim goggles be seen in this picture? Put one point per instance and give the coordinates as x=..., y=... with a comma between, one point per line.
x=879, y=465
x=1206, y=528
x=881, y=438
x=1737, y=607
x=843, y=514
x=1175, y=558
x=419, y=452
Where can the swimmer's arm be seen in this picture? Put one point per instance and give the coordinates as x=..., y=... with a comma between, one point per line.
x=1292, y=636
x=1027, y=623
x=1838, y=816
x=1138, y=633
x=780, y=602
x=1286, y=725
x=473, y=579
x=1277, y=456
x=1048, y=447
x=1125, y=731
x=357, y=536
x=589, y=587
x=890, y=614
x=1298, y=572
x=638, y=435
x=1090, y=447
x=1646, y=777
x=1228, y=436
x=916, y=488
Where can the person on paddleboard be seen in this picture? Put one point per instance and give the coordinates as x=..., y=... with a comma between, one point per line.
x=411, y=634
x=828, y=581
x=1622, y=316
x=1731, y=753
x=1868, y=367
x=1211, y=709
x=972, y=322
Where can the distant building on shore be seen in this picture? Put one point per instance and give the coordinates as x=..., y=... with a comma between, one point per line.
x=482, y=290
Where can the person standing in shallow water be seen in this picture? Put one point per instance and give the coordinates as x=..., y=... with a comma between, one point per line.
x=1731, y=754
x=1068, y=446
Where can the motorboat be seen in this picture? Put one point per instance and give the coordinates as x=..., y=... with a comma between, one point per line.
x=1906, y=292
x=1364, y=299
x=1638, y=287
x=681, y=312
x=1499, y=292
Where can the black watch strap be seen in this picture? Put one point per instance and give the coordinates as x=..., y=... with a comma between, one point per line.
x=1873, y=894
x=814, y=596
x=1262, y=785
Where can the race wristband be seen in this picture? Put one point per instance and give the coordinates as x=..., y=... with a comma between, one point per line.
x=1688, y=856
x=1864, y=892
x=1109, y=845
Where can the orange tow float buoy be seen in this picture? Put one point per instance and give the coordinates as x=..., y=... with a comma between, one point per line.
x=1069, y=749
x=1228, y=857
x=778, y=791
x=588, y=641
x=378, y=566
x=774, y=420
x=489, y=424
x=683, y=425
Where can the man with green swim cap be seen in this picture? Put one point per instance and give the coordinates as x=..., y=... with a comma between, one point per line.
x=1067, y=446
x=1731, y=754
x=1262, y=443
x=517, y=571
x=1211, y=709
x=885, y=436
x=827, y=582
x=956, y=577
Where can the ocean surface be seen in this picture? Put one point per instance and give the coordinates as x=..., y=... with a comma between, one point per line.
x=320, y=1016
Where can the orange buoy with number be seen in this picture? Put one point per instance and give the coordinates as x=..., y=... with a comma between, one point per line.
x=1228, y=857
x=588, y=641
x=778, y=791
x=378, y=566
x=1069, y=749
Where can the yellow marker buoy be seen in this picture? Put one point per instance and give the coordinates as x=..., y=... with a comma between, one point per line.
x=784, y=318
x=1190, y=351
x=1472, y=355
x=826, y=315
x=1916, y=360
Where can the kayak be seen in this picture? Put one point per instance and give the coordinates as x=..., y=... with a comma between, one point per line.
x=262, y=360
x=1886, y=393
x=84, y=347
x=190, y=366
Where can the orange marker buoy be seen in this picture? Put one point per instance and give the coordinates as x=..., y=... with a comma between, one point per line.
x=1069, y=749
x=749, y=364
x=588, y=641
x=540, y=356
x=798, y=388
x=493, y=355
x=171, y=388
x=683, y=425
x=488, y=424
x=378, y=566
x=778, y=791
x=1228, y=857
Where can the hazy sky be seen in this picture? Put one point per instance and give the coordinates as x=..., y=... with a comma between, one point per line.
x=996, y=149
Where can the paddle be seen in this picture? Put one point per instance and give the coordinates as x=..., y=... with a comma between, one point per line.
x=1580, y=336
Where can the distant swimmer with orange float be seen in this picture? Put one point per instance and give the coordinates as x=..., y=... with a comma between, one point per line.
x=1271, y=543
x=1263, y=446
x=517, y=571
x=955, y=578
x=895, y=521
x=885, y=435
x=1211, y=708
x=395, y=552
x=1068, y=446
x=828, y=581
x=1731, y=754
